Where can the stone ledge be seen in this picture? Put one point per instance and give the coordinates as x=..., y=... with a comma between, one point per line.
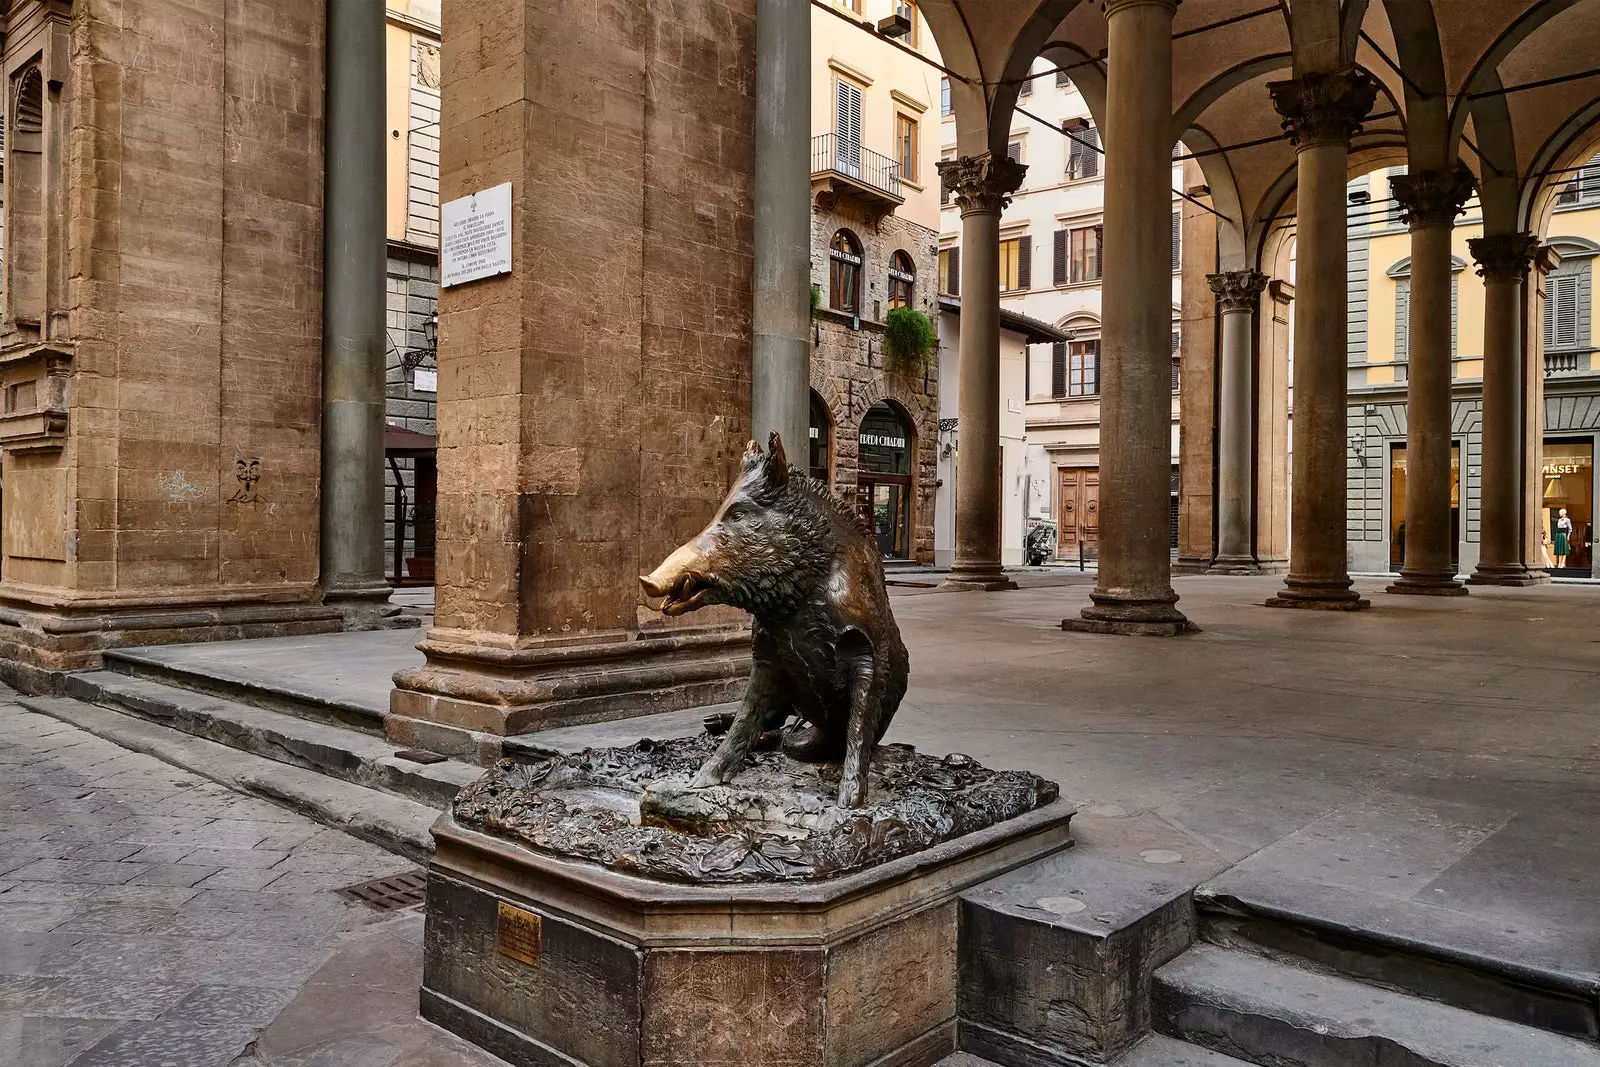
x=1130, y=627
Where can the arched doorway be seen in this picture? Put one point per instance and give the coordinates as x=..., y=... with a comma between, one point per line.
x=819, y=463
x=884, y=478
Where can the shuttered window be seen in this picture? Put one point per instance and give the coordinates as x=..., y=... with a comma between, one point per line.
x=1084, y=254
x=1014, y=151
x=950, y=271
x=847, y=127
x=1063, y=80
x=1177, y=241
x=1402, y=320
x=1561, y=312
x=1058, y=369
x=1058, y=259
x=1176, y=377
x=1016, y=264
x=1082, y=159
x=944, y=96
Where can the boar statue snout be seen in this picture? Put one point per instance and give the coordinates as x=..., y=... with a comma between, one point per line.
x=681, y=580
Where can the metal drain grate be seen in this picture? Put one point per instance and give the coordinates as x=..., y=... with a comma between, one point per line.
x=393, y=893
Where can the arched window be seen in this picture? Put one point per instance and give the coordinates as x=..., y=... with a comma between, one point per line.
x=820, y=465
x=844, y=273
x=902, y=280
x=25, y=180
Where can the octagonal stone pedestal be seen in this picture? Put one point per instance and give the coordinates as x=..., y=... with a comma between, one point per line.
x=546, y=961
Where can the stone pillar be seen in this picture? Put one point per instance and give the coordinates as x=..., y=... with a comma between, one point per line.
x=1534, y=296
x=1431, y=199
x=590, y=418
x=1321, y=112
x=982, y=186
x=780, y=373
x=1503, y=261
x=353, y=336
x=1238, y=295
x=1134, y=592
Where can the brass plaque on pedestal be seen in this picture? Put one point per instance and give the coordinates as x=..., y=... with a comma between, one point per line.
x=517, y=934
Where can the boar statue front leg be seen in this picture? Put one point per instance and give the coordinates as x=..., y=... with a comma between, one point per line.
x=861, y=734
x=760, y=697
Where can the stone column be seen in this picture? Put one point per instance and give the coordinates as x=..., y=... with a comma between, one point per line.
x=1238, y=295
x=1134, y=592
x=1321, y=112
x=1503, y=261
x=1431, y=199
x=590, y=418
x=780, y=372
x=353, y=340
x=982, y=186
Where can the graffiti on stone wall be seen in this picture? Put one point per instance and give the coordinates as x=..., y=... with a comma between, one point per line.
x=178, y=487
x=248, y=472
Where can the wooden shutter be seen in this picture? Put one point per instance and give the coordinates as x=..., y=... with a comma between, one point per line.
x=955, y=271
x=1177, y=239
x=1091, y=158
x=1058, y=369
x=1026, y=88
x=1014, y=151
x=1099, y=239
x=847, y=126
x=1175, y=377
x=1063, y=80
x=1564, y=304
x=1059, y=274
x=1402, y=320
x=1025, y=261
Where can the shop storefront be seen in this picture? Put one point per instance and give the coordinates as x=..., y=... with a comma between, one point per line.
x=1397, y=505
x=884, y=479
x=820, y=454
x=1566, y=513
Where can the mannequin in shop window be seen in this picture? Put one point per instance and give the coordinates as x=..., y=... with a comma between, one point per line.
x=1563, y=538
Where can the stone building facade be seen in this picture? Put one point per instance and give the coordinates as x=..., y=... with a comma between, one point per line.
x=850, y=378
x=162, y=326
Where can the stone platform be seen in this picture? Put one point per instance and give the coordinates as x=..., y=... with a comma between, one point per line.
x=545, y=960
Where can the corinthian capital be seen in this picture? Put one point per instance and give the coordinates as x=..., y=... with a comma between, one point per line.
x=1432, y=197
x=1238, y=290
x=1504, y=257
x=982, y=184
x=1318, y=108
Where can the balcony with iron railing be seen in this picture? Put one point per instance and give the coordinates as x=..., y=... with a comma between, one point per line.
x=842, y=170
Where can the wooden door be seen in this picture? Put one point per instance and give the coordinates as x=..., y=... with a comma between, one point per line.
x=1078, y=511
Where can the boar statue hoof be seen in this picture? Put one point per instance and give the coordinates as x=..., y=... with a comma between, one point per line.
x=708, y=777
x=810, y=744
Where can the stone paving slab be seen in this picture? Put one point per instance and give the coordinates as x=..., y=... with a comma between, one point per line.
x=149, y=916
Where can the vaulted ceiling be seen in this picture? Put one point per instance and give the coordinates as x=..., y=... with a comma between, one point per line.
x=1510, y=88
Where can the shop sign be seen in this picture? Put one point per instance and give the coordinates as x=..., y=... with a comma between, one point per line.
x=475, y=236
x=1554, y=470
x=878, y=440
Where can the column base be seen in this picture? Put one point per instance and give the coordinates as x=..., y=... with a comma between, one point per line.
x=1234, y=565
x=1311, y=595
x=43, y=635
x=1427, y=585
x=1131, y=617
x=470, y=695
x=1191, y=565
x=979, y=578
x=366, y=606
x=1512, y=574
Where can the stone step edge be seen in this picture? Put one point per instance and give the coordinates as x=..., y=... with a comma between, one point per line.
x=391, y=822
x=339, y=752
x=1155, y=1050
x=282, y=697
x=1267, y=1011
x=1210, y=903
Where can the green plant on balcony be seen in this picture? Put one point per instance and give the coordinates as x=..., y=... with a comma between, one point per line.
x=909, y=338
x=816, y=301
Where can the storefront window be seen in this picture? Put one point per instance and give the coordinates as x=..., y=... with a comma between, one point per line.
x=1566, y=516
x=820, y=463
x=884, y=477
x=1397, y=504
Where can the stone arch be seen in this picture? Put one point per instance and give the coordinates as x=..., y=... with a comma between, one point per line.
x=1090, y=79
x=828, y=433
x=1429, y=143
x=1570, y=145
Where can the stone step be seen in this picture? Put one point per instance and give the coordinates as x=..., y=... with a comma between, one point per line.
x=1153, y=1051
x=1432, y=953
x=1268, y=1012
x=389, y=821
x=283, y=692
x=336, y=751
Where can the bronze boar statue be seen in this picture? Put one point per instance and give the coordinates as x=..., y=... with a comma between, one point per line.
x=826, y=648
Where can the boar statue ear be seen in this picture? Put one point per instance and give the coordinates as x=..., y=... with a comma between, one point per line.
x=777, y=462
